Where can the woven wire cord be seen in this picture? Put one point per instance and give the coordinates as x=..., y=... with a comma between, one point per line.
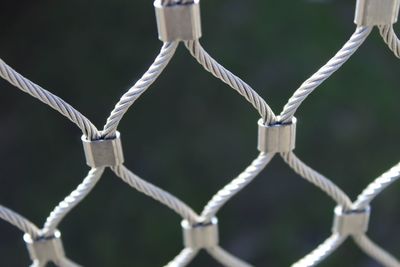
x=224, y=195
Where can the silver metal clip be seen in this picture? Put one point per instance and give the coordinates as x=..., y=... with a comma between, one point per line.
x=353, y=222
x=202, y=235
x=103, y=152
x=47, y=249
x=376, y=12
x=277, y=138
x=178, y=22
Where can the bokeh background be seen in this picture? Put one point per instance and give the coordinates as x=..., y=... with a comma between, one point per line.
x=191, y=134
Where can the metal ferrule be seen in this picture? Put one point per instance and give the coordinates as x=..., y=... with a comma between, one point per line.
x=353, y=222
x=203, y=235
x=278, y=138
x=45, y=249
x=376, y=12
x=103, y=152
x=178, y=22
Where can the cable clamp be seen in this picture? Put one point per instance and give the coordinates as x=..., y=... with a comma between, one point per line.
x=277, y=138
x=47, y=249
x=353, y=222
x=178, y=22
x=103, y=152
x=201, y=235
x=376, y=12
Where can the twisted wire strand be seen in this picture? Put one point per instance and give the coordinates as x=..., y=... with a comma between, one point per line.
x=321, y=252
x=377, y=186
x=16, y=79
x=183, y=258
x=390, y=38
x=235, y=186
x=71, y=201
x=375, y=252
x=324, y=73
x=159, y=64
x=212, y=66
x=225, y=258
x=317, y=179
x=19, y=221
x=156, y=193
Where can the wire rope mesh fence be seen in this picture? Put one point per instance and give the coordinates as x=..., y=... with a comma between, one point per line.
x=179, y=27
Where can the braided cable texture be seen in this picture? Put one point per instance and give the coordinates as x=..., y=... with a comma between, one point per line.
x=162, y=60
x=390, y=38
x=16, y=79
x=324, y=73
x=156, y=193
x=19, y=221
x=377, y=186
x=235, y=186
x=71, y=201
x=318, y=180
x=321, y=252
x=212, y=66
x=374, y=251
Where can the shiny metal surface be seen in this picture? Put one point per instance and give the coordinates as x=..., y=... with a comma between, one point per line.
x=103, y=152
x=277, y=138
x=376, y=12
x=200, y=235
x=45, y=249
x=353, y=222
x=178, y=22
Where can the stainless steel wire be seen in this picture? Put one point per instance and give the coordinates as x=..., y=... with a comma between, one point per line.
x=224, y=195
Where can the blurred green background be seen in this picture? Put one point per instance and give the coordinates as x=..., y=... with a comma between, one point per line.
x=191, y=134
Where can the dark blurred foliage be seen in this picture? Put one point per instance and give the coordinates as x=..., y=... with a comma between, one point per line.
x=191, y=134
